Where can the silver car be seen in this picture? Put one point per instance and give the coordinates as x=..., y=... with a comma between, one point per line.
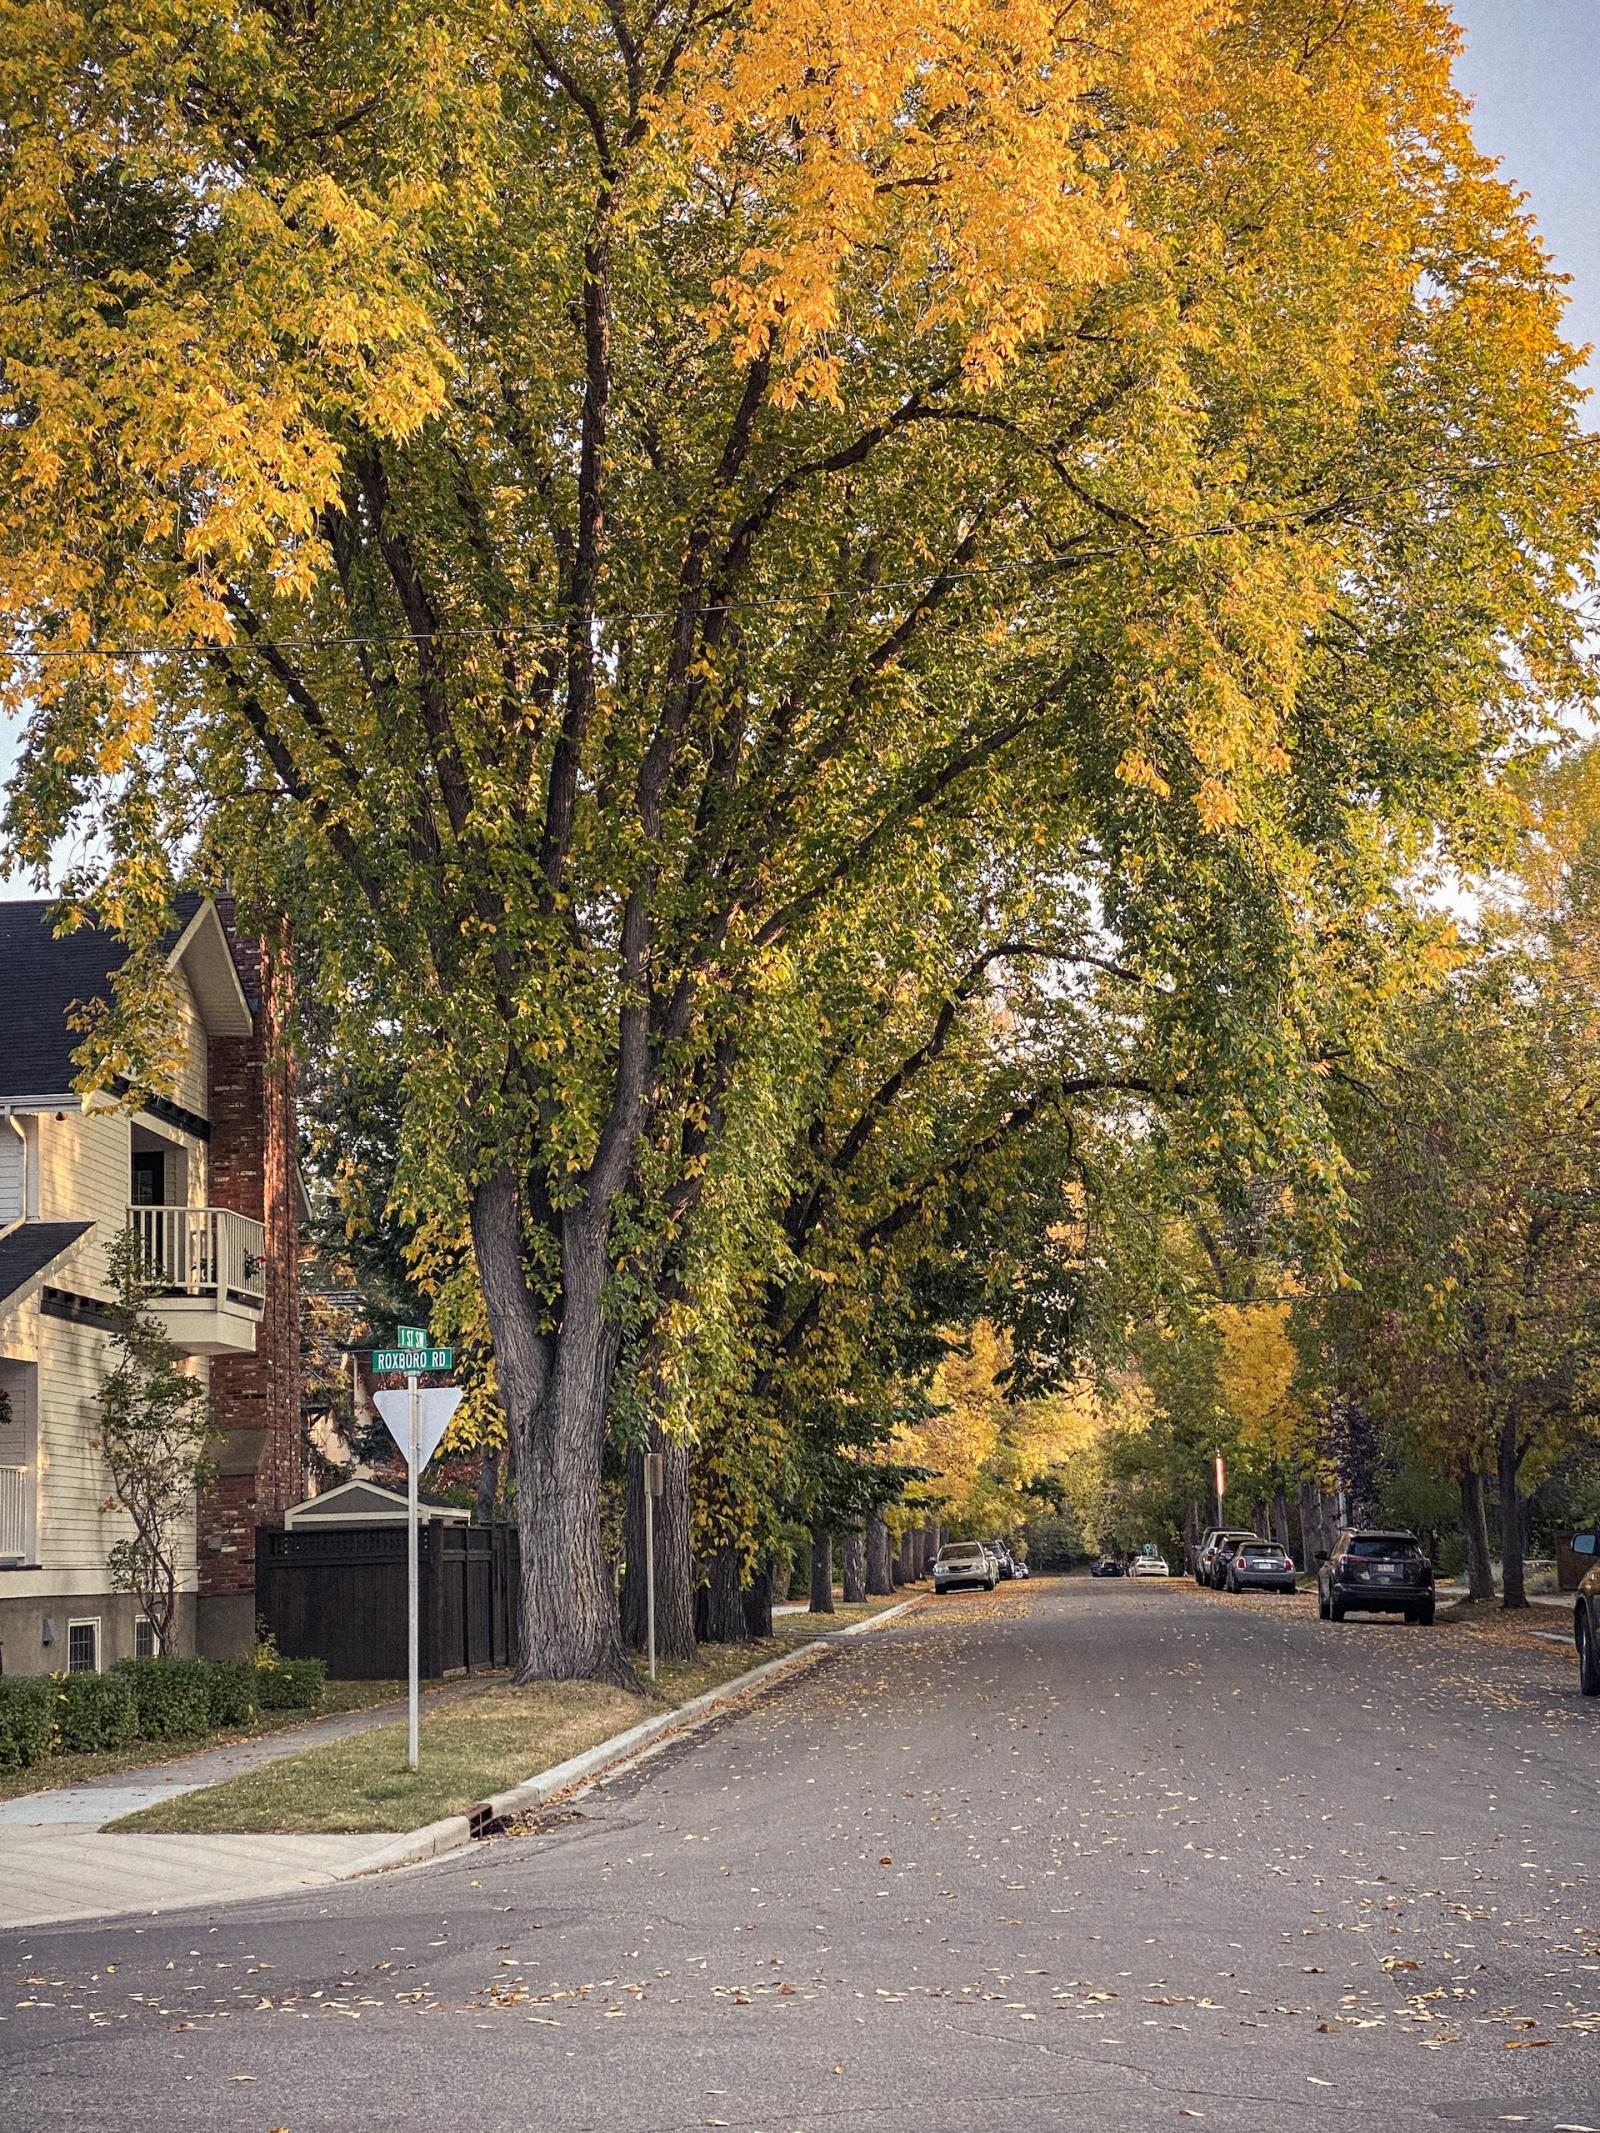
x=964, y=1563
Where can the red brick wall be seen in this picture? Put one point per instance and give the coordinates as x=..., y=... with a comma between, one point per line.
x=252, y=1163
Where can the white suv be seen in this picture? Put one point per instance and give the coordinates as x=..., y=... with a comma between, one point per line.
x=964, y=1563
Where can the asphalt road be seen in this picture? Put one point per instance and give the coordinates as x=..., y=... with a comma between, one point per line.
x=1073, y=1855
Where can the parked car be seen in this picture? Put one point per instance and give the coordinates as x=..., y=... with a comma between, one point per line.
x=1586, y=1615
x=1211, y=1545
x=1256, y=1565
x=1149, y=1566
x=1381, y=1573
x=964, y=1563
x=1019, y=1568
x=1001, y=1552
x=1107, y=1567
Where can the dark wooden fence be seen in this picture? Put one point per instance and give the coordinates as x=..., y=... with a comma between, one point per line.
x=340, y=1595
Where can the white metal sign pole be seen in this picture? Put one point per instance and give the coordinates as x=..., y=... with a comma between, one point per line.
x=412, y=1463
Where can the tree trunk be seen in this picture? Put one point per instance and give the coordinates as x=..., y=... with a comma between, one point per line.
x=725, y=1623
x=908, y=1557
x=853, y=1568
x=554, y=1389
x=822, y=1573
x=758, y=1603
x=488, y=1494
x=1310, y=1523
x=674, y=1555
x=1513, y=1575
x=1280, y=1517
x=880, y=1581
x=1480, y=1573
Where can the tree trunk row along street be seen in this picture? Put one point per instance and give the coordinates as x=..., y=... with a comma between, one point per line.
x=1071, y=1855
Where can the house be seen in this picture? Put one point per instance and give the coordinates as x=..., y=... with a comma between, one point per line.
x=205, y=1173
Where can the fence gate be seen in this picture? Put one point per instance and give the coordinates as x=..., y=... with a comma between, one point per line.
x=338, y=1593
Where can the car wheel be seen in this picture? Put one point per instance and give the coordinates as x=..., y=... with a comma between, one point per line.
x=1424, y=1615
x=1588, y=1657
x=1322, y=1605
x=990, y=1586
x=1233, y=1583
x=1335, y=1609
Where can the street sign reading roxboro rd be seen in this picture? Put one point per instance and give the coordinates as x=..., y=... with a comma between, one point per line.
x=387, y=1359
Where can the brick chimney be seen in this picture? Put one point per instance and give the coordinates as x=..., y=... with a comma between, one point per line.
x=261, y=1467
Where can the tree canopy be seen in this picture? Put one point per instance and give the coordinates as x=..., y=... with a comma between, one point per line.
x=598, y=509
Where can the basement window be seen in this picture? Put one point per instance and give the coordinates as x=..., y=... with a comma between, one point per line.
x=83, y=1647
x=144, y=1638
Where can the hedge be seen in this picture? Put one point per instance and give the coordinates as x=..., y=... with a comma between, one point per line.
x=27, y=1719
x=93, y=1711
x=173, y=1695
x=145, y=1699
x=235, y=1699
x=291, y=1684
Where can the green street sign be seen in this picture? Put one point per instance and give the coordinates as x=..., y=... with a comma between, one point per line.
x=411, y=1336
x=385, y=1360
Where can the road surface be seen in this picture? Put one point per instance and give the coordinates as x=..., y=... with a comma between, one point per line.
x=1073, y=1855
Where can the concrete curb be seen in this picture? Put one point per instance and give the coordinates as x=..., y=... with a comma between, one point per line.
x=416, y=1846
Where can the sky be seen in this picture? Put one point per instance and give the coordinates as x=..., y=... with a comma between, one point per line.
x=1532, y=68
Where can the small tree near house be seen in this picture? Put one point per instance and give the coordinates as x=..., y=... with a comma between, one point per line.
x=154, y=1420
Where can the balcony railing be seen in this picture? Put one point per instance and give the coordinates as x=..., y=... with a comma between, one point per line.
x=16, y=1514
x=203, y=1251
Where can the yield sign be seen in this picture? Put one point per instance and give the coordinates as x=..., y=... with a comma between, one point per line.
x=435, y=1405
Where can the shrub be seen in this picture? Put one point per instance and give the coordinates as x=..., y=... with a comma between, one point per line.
x=235, y=1699
x=94, y=1711
x=27, y=1719
x=173, y=1696
x=291, y=1684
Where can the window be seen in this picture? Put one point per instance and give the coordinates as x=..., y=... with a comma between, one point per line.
x=83, y=1647
x=144, y=1638
x=149, y=1177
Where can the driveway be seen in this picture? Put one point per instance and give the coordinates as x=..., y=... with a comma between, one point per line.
x=1067, y=1856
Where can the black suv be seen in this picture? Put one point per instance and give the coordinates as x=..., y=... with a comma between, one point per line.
x=1383, y=1573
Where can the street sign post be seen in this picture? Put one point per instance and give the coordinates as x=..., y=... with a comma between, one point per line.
x=416, y=1419
x=654, y=1485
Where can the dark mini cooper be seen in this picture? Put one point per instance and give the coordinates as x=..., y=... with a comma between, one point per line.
x=1381, y=1573
x=1255, y=1566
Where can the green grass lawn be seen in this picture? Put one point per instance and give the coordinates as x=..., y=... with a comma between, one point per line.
x=145, y=1754
x=470, y=1747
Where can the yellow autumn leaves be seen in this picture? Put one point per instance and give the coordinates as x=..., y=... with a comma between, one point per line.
x=965, y=157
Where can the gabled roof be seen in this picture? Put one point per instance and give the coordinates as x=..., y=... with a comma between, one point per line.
x=42, y=978
x=367, y=1503
x=27, y=1251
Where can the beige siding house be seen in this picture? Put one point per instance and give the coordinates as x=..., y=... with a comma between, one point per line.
x=74, y=1172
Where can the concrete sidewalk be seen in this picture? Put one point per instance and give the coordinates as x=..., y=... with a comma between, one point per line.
x=59, y=1861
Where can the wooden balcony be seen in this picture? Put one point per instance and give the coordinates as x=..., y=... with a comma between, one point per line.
x=209, y=1265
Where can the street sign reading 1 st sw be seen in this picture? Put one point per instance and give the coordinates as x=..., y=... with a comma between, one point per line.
x=388, y=1359
x=411, y=1336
